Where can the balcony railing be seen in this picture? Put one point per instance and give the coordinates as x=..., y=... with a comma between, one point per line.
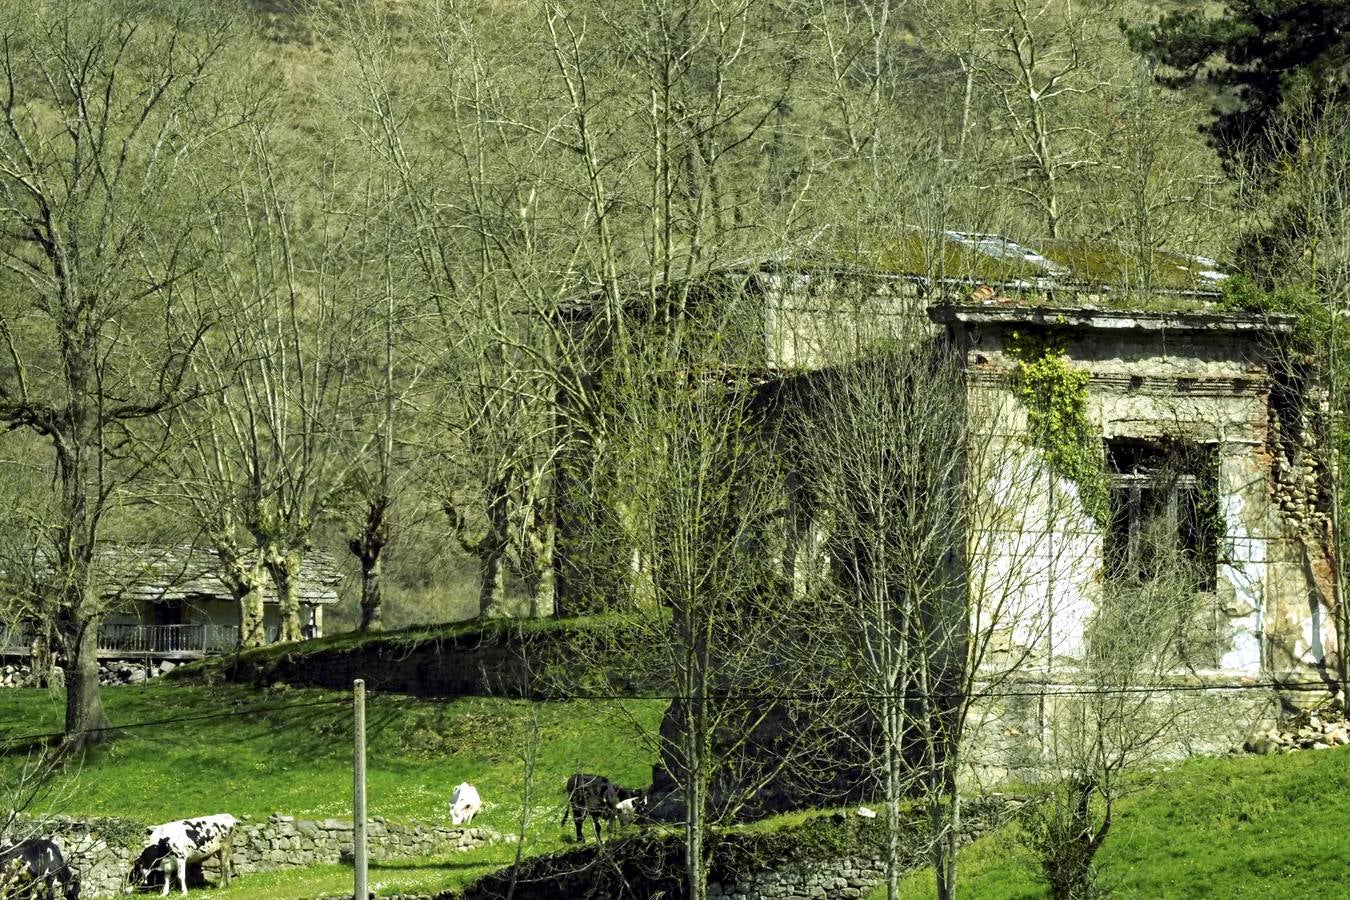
x=152, y=640
x=160, y=639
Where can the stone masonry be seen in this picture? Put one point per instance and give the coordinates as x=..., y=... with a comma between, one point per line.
x=102, y=850
x=284, y=842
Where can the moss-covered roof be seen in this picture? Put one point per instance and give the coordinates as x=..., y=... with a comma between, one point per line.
x=1000, y=260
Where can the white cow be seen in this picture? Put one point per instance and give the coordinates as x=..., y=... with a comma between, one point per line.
x=464, y=804
x=175, y=844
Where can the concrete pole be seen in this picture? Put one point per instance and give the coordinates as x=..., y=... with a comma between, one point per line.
x=359, y=791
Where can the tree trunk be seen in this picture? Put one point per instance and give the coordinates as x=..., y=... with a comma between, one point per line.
x=492, y=552
x=245, y=579
x=541, y=542
x=695, y=804
x=372, y=618
x=285, y=571
x=368, y=547
x=893, y=791
x=492, y=591
x=41, y=659
x=947, y=837
x=86, y=722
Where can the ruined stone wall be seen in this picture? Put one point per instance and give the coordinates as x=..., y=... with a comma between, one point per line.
x=1009, y=738
x=1269, y=612
x=810, y=318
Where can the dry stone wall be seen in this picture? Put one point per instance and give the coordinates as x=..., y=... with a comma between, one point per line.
x=844, y=879
x=284, y=842
x=101, y=850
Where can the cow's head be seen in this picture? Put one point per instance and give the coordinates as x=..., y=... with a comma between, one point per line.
x=71, y=889
x=461, y=812
x=151, y=859
x=629, y=808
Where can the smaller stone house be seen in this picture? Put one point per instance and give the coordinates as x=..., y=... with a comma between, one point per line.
x=171, y=600
x=170, y=603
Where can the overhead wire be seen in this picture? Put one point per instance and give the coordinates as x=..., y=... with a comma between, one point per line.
x=151, y=723
x=1022, y=690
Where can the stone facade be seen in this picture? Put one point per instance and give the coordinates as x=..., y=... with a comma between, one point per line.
x=1207, y=381
x=102, y=850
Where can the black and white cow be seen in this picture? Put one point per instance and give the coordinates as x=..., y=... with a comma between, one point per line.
x=36, y=865
x=175, y=844
x=599, y=798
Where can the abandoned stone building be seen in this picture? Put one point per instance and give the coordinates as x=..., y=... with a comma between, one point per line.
x=1205, y=434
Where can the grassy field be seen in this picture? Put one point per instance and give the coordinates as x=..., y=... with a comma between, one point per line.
x=1251, y=827
x=290, y=752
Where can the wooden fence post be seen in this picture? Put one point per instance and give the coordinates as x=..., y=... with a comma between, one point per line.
x=359, y=792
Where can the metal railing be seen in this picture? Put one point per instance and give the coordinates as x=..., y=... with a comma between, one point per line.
x=133, y=639
x=201, y=638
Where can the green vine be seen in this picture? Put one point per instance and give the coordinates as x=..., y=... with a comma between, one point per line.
x=1055, y=397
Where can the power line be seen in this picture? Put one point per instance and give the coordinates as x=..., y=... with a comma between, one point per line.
x=176, y=719
x=991, y=693
x=1040, y=689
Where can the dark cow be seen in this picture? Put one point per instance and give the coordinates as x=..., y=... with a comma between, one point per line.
x=175, y=844
x=598, y=797
x=37, y=864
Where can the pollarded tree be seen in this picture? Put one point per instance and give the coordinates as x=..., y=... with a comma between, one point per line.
x=263, y=455
x=104, y=112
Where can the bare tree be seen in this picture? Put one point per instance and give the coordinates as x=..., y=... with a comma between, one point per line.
x=263, y=455
x=104, y=114
x=880, y=447
x=701, y=493
x=1127, y=705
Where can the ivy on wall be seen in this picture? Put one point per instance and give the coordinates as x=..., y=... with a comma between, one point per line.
x=1055, y=397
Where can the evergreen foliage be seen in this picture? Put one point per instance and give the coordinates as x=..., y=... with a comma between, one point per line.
x=1259, y=53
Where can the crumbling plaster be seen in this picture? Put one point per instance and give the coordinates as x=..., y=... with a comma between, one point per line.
x=1202, y=383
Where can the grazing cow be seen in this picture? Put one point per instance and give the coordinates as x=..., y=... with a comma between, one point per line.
x=38, y=863
x=175, y=844
x=626, y=811
x=464, y=804
x=598, y=797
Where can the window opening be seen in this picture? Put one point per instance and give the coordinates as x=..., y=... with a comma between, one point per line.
x=1164, y=511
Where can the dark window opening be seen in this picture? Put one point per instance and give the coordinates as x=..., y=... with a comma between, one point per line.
x=1164, y=512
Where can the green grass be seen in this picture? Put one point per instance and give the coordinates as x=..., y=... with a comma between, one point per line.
x=290, y=752
x=1250, y=827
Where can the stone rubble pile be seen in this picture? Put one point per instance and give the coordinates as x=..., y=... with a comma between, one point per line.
x=111, y=672
x=15, y=675
x=116, y=671
x=1320, y=729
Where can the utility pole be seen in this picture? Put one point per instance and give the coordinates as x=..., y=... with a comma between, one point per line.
x=359, y=790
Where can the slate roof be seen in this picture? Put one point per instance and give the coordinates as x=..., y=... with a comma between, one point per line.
x=156, y=574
